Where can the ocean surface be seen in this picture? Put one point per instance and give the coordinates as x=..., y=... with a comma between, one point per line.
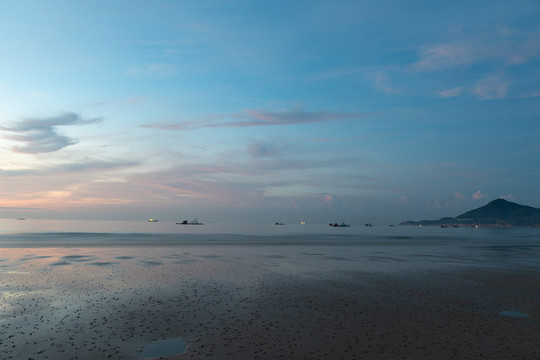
x=407, y=244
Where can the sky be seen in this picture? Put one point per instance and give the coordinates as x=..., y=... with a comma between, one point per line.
x=261, y=111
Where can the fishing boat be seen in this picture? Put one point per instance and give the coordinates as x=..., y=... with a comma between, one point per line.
x=192, y=222
x=339, y=225
x=153, y=220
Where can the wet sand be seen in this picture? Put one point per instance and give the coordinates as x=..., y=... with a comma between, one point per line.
x=262, y=303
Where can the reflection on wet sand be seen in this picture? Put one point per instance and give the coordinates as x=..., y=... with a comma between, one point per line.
x=263, y=302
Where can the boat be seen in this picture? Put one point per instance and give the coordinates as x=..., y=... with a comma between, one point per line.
x=153, y=220
x=339, y=225
x=192, y=222
x=303, y=222
x=279, y=223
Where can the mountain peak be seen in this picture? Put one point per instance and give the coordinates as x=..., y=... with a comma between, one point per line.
x=500, y=209
x=498, y=212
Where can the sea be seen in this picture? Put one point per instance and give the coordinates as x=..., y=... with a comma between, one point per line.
x=431, y=245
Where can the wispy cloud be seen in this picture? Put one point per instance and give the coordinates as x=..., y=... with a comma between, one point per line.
x=508, y=197
x=449, y=93
x=260, y=149
x=255, y=118
x=493, y=87
x=383, y=82
x=520, y=46
x=530, y=94
x=506, y=46
x=40, y=135
x=94, y=166
x=17, y=208
x=444, y=56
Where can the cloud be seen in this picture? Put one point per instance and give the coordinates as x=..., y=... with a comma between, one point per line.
x=450, y=92
x=507, y=46
x=493, y=87
x=255, y=118
x=383, y=82
x=40, y=135
x=478, y=195
x=459, y=196
x=519, y=47
x=17, y=208
x=71, y=168
x=95, y=166
x=261, y=149
x=328, y=200
x=530, y=94
x=445, y=56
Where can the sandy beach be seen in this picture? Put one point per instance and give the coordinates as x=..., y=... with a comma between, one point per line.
x=261, y=303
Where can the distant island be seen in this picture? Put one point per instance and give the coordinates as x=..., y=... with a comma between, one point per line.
x=497, y=213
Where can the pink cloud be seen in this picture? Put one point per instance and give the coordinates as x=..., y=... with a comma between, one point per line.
x=328, y=198
x=478, y=195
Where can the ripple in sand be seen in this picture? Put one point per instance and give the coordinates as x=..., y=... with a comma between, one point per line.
x=274, y=256
x=210, y=256
x=35, y=257
x=60, y=263
x=150, y=263
x=78, y=258
x=513, y=313
x=102, y=263
x=339, y=258
x=187, y=261
x=161, y=348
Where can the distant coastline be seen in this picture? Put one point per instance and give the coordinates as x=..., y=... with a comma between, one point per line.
x=497, y=213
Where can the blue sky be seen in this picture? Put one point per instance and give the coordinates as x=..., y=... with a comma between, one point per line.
x=377, y=111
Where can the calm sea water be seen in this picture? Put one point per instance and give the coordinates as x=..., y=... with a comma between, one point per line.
x=34, y=226
x=468, y=246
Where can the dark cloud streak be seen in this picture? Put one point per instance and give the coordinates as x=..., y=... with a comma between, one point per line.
x=40, y=135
